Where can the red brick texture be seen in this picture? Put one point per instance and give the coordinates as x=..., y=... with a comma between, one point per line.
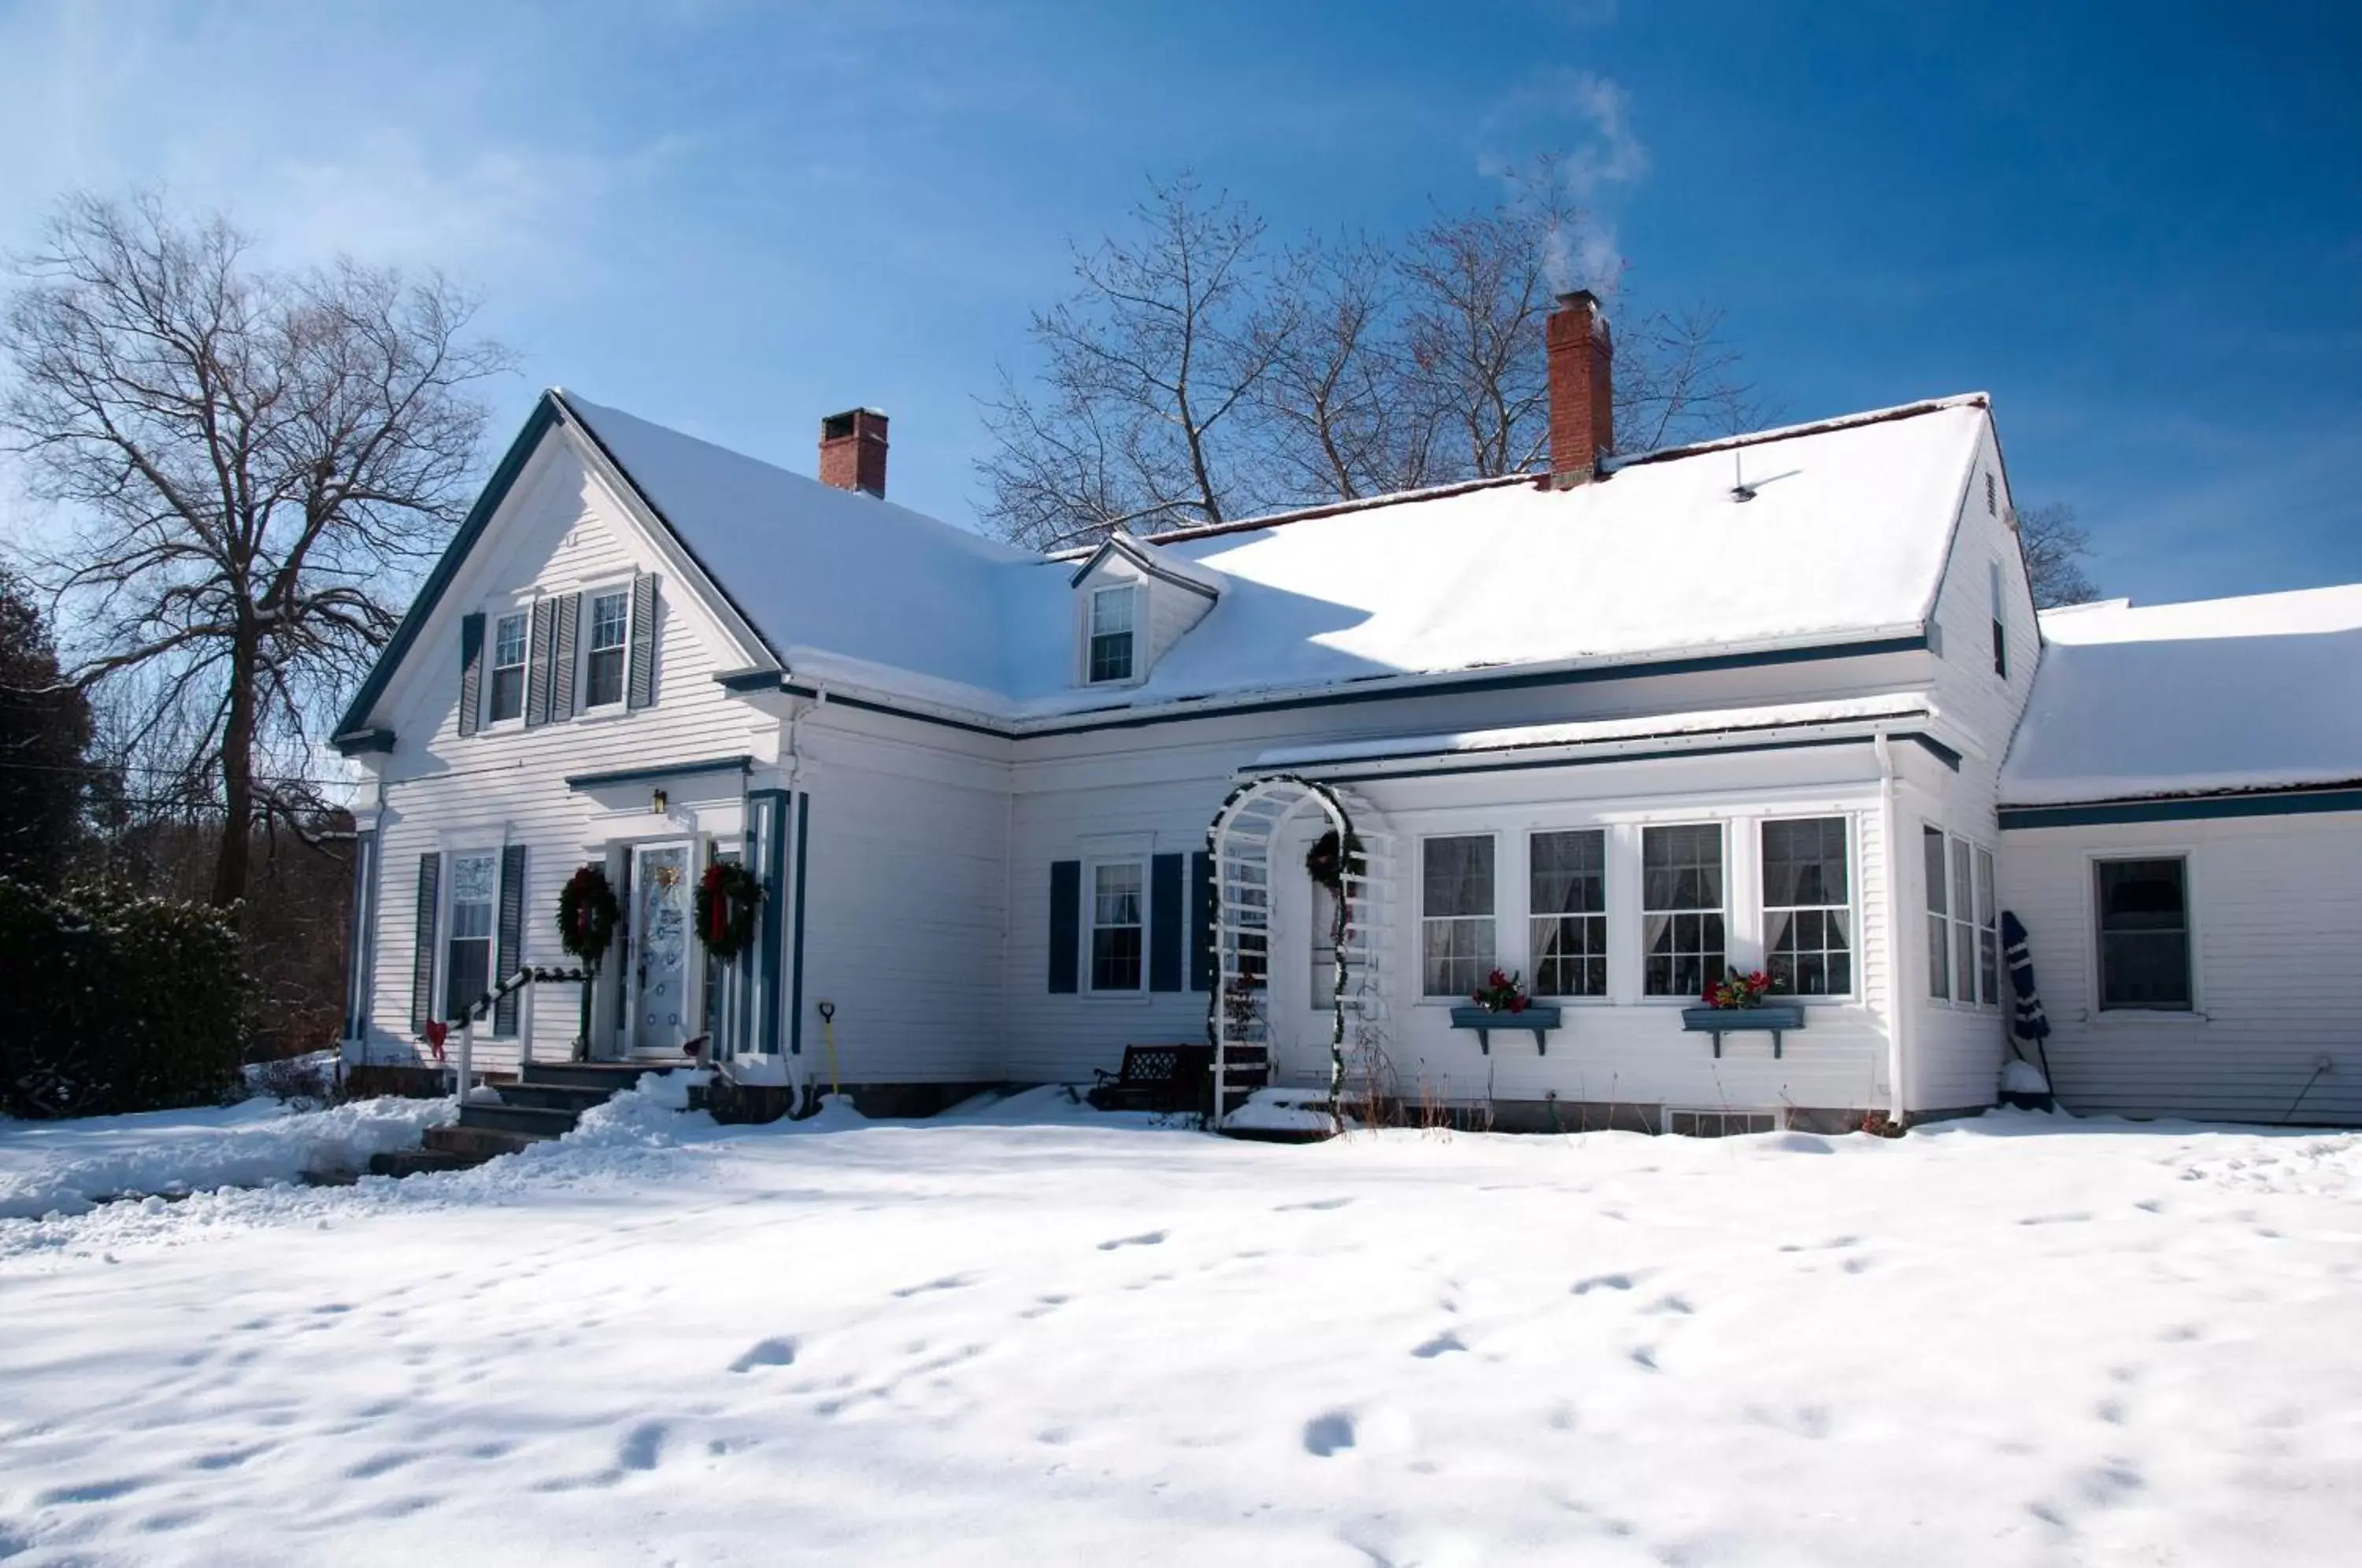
x=1581, y=388
x=852, y=451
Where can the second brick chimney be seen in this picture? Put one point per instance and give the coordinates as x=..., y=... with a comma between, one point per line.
x=852, y=451
x=1581, y=389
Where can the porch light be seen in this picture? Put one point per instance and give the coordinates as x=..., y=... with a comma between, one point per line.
x=656, y=803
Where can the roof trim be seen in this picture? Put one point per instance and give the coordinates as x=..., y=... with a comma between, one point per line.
x=353, y=743
x=1392, y=689
x=1143, y=557
x=742, y=763
x=1933, y=747
x=1669, y=730
x=2303, y=801
x=439, y=581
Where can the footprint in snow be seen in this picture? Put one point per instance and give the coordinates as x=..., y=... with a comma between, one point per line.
x=1329, y=1434
x=1145, y=1239
x=1442, y=1344
x=1603, y=1282
x=778, y=1352
x=948, y=1282
x=1316, y=1203
x=643, y=1446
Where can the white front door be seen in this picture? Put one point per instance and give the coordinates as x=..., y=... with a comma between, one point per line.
x=660, y=973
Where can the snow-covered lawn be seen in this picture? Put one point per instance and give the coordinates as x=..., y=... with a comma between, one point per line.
x=68, y=1165
x=1035, y=1336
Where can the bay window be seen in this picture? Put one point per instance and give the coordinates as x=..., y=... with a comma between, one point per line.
x=1567, y=877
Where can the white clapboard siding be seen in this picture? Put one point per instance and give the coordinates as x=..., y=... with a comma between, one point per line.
x=2275, y=912
x=560, y=530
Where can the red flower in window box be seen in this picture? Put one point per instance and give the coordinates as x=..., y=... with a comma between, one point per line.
x=1501, y=993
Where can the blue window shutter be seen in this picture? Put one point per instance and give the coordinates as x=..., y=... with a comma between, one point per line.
x=509, y=943
x=1066, y=926
x=1166, y=922
x=536, y=664
x=567, y=618
x=471, y=672
x=422, y=957
x=1201, y=921
x=640, y=686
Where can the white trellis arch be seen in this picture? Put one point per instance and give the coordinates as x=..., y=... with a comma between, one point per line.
x=1240, y=842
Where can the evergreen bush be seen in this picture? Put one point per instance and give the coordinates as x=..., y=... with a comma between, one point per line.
x=116, y=1003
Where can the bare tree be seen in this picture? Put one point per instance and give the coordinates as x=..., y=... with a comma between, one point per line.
x=1190, y=378
x=1150, y=364
x=249, y=462
x=1333, y=407
x=2055, y=545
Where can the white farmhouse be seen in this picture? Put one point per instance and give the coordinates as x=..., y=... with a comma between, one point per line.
x=1614, y=729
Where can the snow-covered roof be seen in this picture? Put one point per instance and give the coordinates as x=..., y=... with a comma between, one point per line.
x=2260, y=693
x=807, y=563
x=1692, y=728
x=1842, y=536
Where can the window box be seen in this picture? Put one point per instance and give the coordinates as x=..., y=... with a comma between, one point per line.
x=1774, y=1019
x=1538, y=1017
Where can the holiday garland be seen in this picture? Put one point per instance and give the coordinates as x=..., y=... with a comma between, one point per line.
x=727, y=899
x=587, y=914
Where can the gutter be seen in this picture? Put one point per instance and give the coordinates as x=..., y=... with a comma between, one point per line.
x=1899, y=1008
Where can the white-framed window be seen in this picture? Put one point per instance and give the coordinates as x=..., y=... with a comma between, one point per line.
x=1682, y=910
x=1110, y=655
x=1939, y=918
x=606, y=645
x=1682, y=1122
x=504, y=694
x=1566, y=872
x=1456, y=929
x=1963, y=920
x=2142, y=908
x=2000, y=622
x=1808, y=907
x=467, y=926
x=1988, y=931
x=1119, y=924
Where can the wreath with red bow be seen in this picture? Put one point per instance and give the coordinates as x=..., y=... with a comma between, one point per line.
x=587, y=914
x=728, y=898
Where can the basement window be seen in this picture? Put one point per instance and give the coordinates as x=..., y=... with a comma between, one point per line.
x=1720, y=1123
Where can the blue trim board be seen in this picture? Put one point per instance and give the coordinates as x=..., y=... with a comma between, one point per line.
x=356, y=742
x=1934, y=747
x=1392, y=691
x=496, y=490
x=796, y=985
x=739, y=764
x=2188, y=808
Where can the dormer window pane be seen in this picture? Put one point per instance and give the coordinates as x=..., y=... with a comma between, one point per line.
x=1112, y=619
x=507, y=697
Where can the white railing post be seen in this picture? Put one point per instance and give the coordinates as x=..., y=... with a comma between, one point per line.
x=524, y=1028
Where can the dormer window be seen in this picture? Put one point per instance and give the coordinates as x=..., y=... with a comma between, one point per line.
x=1112, y=618
x=508, y=670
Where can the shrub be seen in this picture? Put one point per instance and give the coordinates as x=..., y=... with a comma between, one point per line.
x=117, y=1003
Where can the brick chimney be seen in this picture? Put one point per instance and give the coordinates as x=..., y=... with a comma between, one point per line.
x=1581, y=389
x=852, y=451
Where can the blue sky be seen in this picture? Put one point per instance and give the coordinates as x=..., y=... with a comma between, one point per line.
x=2143, y=236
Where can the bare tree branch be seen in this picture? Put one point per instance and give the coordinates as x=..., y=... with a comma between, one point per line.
x=251, y=463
